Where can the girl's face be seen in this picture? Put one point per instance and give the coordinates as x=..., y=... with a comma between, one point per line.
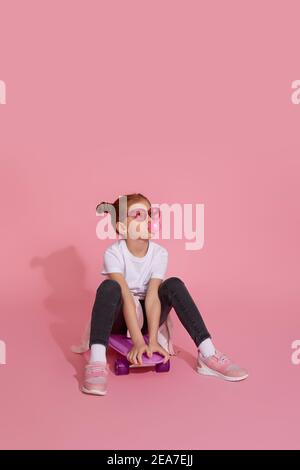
x=138, y=221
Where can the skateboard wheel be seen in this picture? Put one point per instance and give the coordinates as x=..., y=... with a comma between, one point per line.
x=161, y=367
x=121, y=366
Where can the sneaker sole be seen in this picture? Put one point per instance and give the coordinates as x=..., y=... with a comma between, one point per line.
x=93, y=392
x=204, y=370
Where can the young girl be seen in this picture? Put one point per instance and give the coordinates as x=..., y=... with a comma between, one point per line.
x=135, y=267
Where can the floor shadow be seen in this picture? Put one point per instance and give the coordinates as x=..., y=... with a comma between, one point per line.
x=184, y=355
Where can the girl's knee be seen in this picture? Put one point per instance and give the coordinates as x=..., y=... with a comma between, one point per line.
x=172, y=282
x=109, y=287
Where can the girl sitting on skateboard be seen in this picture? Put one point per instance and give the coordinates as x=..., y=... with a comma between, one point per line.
x=136, y=266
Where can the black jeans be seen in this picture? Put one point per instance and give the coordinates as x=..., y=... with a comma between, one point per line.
x=108, y=318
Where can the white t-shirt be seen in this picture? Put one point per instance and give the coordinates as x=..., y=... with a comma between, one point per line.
x=137, y=270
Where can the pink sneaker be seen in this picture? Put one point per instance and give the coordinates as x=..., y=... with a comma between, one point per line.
x=220, y=366
x=95, y=378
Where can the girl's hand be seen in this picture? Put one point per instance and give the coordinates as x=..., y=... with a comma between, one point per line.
x=135, y=354
x=154, y=346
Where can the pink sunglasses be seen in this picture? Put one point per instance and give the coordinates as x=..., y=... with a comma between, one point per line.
x=140, y=214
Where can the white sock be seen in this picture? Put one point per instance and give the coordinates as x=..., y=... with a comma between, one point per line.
x=207, y=348
x=98, y=353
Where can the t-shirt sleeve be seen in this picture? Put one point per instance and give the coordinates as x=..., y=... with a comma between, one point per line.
x=160, y=264
x=112, y=262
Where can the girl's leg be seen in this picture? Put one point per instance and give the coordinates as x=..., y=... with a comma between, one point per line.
x=174, y=293
x=107, y=313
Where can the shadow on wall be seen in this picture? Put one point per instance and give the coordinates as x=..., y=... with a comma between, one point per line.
x=69, y=302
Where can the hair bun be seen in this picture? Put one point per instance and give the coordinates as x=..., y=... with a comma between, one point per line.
x=103, y=207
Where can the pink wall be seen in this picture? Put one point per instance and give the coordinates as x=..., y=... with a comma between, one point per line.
x=186, y=102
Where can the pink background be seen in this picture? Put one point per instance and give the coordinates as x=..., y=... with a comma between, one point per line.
x=186, y=102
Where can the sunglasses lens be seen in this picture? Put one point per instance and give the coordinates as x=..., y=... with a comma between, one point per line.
x=137, y=214
x=140, y=215
x=154, y=213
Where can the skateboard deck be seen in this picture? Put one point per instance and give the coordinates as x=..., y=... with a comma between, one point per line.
x=123, y=345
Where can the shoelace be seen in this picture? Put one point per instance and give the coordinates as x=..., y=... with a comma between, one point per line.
x=222, y=357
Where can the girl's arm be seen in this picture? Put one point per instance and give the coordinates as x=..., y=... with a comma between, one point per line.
x=153, y=308
x=129, y=309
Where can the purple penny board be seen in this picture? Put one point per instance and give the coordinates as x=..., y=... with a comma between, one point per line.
x=123, y=345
